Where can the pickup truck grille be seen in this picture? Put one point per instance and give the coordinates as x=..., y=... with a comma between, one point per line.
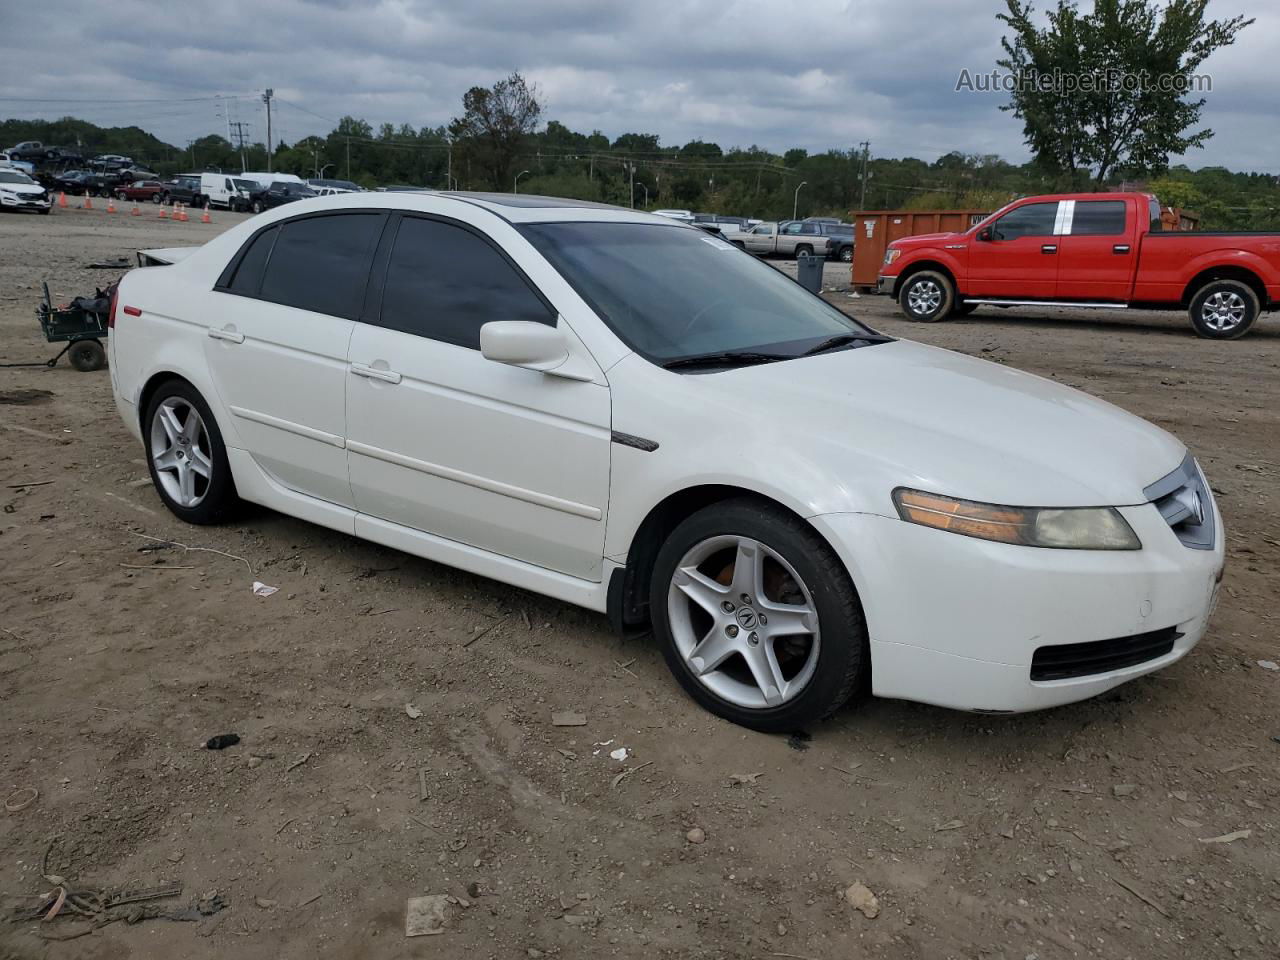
x=1067, y=660
x=1184, y=500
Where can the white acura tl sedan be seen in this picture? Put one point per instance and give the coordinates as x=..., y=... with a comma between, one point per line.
x=625, y=413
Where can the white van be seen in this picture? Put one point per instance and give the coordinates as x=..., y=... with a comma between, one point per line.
x=223, y=191
x=267, y=179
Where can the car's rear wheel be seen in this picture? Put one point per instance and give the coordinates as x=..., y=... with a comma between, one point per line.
x=803, y=250
x=87, y=355
x=1224, y=309
x=927, y=297
x=257, y=206
x=157, y=198
x=757, y=617
x=186, y=456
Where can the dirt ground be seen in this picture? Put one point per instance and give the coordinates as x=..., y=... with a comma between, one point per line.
x=396, y=735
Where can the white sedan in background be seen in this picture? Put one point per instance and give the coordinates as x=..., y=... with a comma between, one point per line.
x=622, y=412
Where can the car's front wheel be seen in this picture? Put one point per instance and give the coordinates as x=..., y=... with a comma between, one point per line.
x=927, y=297
x=257, y=206
x=186, y=455
x=757, y=617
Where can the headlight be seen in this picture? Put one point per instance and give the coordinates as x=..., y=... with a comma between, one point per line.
x=1067, y=528
x=891, y=255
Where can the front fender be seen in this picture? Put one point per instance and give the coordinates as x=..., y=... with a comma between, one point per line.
x=931, y=257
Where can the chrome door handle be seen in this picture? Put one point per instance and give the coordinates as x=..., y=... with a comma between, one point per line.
x=373, y=373
x=1049, y=248
x=231, y=336
x=1120, y=248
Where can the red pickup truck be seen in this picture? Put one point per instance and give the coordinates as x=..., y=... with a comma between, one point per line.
x=1087, y=250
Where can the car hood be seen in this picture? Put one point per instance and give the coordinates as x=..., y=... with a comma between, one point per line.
x=925, y=240
x=907, y=414
x=24, y=188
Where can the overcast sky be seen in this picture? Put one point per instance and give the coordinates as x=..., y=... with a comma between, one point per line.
x=815, y=74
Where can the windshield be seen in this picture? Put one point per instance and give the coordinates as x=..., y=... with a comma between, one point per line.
x=673, y=292
x=13, y=176
x=248, y=186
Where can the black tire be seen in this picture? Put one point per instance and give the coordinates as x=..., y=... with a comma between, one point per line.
x=87, y=356
x=157, y=198
x=843, y=657
x=105, y=193
x=1229, y=316
x=846, y=255
x=257, y=206
x=46, y=210
x=120, y=196
x=803, y=250
x=926, y=297
x=220, y=500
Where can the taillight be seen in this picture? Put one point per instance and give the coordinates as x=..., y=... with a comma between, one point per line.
x=111, y=307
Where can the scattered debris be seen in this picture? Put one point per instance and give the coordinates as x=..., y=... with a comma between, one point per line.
x=185, y=547
x=43, y=483
x=1269, y=665
x=1076, y=788
x=1228, y=837
x=1124, y=789
x=413, y=712
x=1237, y=767
x=739, y=779
x=949, y=825
x=19, y=800
x=422, y=784
x=626, y=773
x=567, y=718
x=266, y=904
x=426, y=916
x=221, y=741
x=1141, y=896
x=860, y=897
x=485, y=631
x=696, y=835
x=620, y=754
x=297, y=763
x=799, y=740
x=623, y=666
x=1189, y=823
x=261, y=589
x=119, y=263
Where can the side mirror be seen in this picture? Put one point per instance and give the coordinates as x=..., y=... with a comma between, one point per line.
x=985, y=235
x=523, y=343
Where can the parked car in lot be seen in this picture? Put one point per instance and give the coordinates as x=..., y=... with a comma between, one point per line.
x=70, y=181
x=320, y=186
x=789, y=239
x=10, y=161
x=185, y=189
x=284, y=191
x=152, y=191
x=1087, y=250
x=19, y=192
x=684, y=216
x=32, y=151
x=483, y=379
x=839, y=239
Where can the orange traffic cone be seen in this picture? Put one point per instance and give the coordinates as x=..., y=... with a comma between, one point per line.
x=62, y=199
x=204, y=217
x=88, y=200
x=163, y=215
x=182, y=213
x=111, y=205
x=135, y=212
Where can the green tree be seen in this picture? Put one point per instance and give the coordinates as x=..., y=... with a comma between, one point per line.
x=1110, y=90
x=494, y=125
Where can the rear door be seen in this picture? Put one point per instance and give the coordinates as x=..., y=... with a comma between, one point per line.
x=278, y=351
x=440, y=439
x=1098, y=252
x=1020, y=260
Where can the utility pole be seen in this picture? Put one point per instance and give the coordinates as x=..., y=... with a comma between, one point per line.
x=266, y=98
x=239, y=142
x=448, y=164
x=348, y=158
x=866, y=154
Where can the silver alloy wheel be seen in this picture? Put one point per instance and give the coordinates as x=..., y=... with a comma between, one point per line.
x=1223, y=311
x=180, y=452
x=924, y=297
x=746, y=647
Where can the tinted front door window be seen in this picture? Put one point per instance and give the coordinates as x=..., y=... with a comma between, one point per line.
x=1033, y=220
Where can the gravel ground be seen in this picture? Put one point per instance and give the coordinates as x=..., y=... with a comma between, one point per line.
x=396, y=728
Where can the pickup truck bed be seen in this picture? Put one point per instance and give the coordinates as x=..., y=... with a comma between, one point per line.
x=1088, y=250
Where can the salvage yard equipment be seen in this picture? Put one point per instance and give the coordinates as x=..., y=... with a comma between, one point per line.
x=81, y=325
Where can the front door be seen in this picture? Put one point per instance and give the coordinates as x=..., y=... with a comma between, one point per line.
x=280, y=367
x=1019, y=261
x=512, y=461
x=761, y=239
x=1099, y=252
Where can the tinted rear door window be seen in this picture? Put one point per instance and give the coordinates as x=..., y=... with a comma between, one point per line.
x=1098, y=218
x=322, y=263
x=248, y=276
x=445, y=282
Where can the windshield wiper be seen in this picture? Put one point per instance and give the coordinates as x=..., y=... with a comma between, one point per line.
x=728, y=358
x=843, y=340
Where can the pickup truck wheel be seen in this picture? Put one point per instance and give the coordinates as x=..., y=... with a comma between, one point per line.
x=846, y=255
x=1224, y=310
x=927, y=297
x=803, y=250
x=257, y=206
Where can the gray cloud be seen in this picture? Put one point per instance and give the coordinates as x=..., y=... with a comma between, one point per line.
x=815, y=75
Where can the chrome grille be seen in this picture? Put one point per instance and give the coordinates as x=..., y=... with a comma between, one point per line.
x=1186, y=503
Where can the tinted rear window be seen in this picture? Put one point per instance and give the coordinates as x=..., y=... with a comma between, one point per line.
x=1098, y=218
x=322, y=263
x=248, y=276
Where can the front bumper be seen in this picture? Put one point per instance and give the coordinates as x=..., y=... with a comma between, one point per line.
x=24, y=202
x=885, y=284
x=956, y=621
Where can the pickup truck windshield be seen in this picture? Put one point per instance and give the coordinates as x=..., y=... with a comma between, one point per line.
x=673, y=292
